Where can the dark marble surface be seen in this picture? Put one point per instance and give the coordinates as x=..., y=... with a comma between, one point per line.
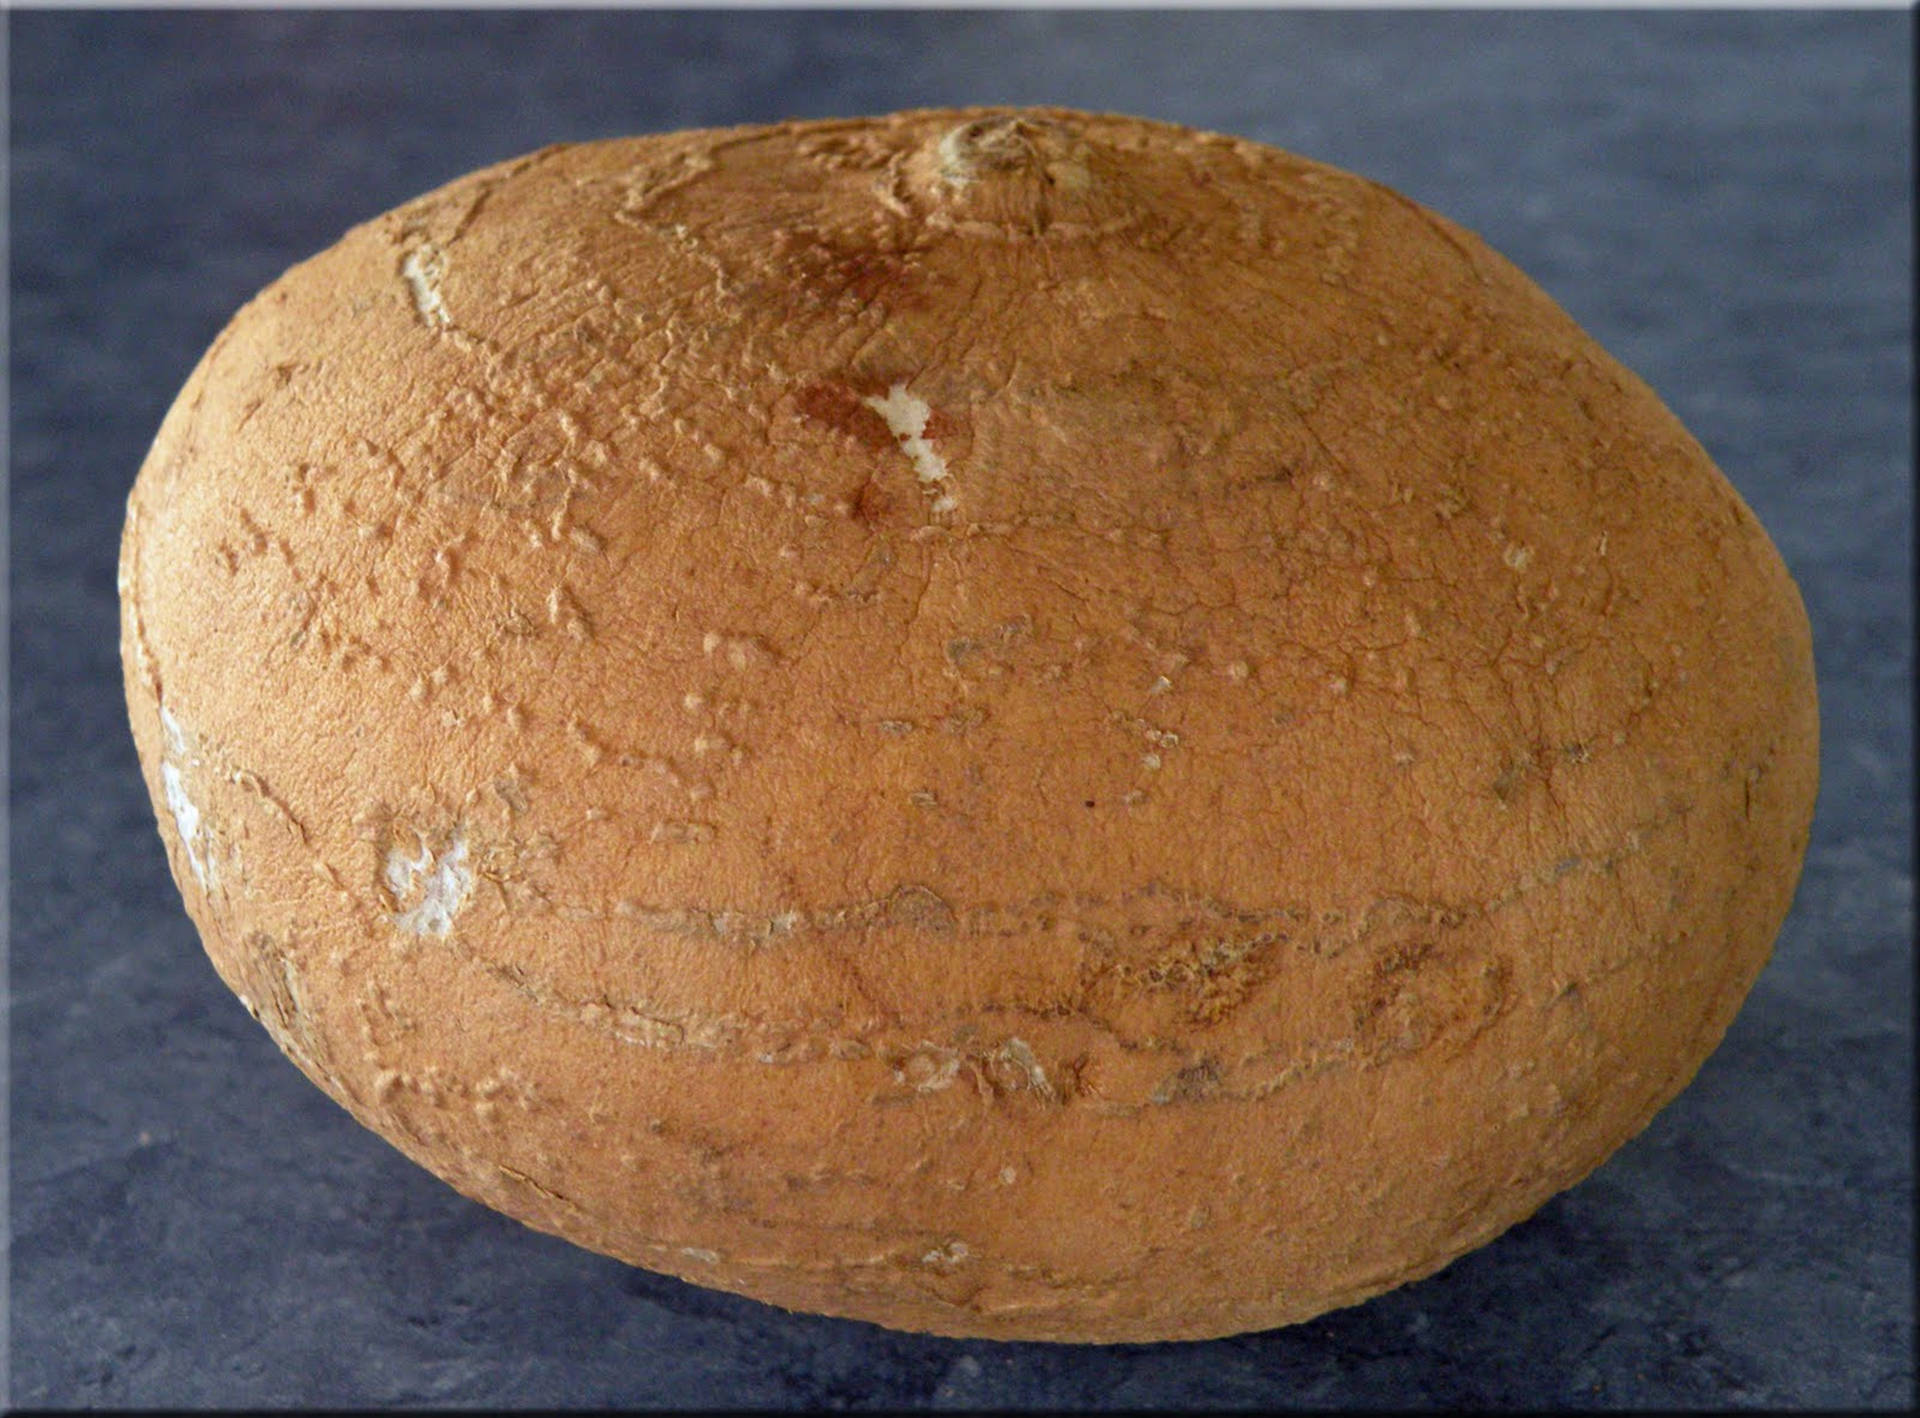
x=1724, y=199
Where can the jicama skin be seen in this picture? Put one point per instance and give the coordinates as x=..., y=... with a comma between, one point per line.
x=1004, y=722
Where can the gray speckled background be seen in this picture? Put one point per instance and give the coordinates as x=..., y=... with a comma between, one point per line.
x=1725, y=200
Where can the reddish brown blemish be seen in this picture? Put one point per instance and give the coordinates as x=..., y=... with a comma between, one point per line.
x=843, y=408
x=940, y=425
x=828, y=271
x=873, y=502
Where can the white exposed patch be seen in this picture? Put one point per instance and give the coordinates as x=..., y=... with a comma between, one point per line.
x=400, y=871
x=447, y=882
x=186, y=818
x=906, y=418
x=195, y=835
x=176, y=736
x=422, y=270
x=953, y=1253
x=1021, y=1055
x=956, y=166
x=929, y=1069
x=700, y=1253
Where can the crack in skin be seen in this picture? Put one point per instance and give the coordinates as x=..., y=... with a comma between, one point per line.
x=640, y=1024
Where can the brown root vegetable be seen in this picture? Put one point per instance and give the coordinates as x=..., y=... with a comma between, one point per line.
x=1007, y=723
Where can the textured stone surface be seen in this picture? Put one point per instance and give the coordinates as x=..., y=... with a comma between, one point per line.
x=1724, y=200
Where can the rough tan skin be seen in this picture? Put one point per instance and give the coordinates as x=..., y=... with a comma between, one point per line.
x=1292, y=762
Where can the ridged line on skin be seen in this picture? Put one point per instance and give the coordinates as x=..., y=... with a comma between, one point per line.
x=896, y=1255
x=1073, y=1292
x=821, y=1046
x=1333, y=1055
x=704, y=923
